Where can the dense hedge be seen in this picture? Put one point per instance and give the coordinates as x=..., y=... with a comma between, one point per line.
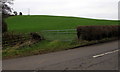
x=97, y=32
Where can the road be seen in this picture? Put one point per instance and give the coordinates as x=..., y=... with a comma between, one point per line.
x=95, y=57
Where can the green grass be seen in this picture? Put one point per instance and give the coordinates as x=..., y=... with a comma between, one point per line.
x=59, y=36
x=46, y=47
x=36, y=23
x=38, y=48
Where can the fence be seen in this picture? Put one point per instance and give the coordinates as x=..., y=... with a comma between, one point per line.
x=12, y=39
x=63, y=35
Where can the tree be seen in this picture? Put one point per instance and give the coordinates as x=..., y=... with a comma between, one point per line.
x=6, y=12
x=20, y=13
x=6, y=9
x=15, y=12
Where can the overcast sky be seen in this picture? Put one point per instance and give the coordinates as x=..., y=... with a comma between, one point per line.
x=100, y=9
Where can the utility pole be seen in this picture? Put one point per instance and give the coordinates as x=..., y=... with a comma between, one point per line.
x=28, y=11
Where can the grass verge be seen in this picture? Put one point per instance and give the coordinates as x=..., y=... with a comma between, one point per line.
x=47, y=47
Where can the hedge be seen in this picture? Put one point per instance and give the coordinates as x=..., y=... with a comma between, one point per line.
x=97, y=32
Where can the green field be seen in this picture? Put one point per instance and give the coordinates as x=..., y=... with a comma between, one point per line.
x=36, y=23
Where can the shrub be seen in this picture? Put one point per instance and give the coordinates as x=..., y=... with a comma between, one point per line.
x=11, y=39
x=14, y=39
x=97, y=32
x=35, y=36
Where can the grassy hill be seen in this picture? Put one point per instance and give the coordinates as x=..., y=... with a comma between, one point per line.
x=36, y=23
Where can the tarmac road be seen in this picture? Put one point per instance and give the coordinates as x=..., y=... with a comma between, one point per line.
x=95, y=57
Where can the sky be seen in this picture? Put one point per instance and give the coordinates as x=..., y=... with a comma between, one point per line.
x=97, y=9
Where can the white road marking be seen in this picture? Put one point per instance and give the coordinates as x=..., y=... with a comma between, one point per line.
x=95, y=56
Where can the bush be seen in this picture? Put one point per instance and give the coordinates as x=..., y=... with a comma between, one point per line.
x=35, y=36
x=97, y=32
x=11, y=39
x=14, y=39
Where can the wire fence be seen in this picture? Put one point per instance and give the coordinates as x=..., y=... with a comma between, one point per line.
x=63, y=35
x=12, y=39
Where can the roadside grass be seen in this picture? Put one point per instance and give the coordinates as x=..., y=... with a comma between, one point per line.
x=38, y=48
x=45, y=46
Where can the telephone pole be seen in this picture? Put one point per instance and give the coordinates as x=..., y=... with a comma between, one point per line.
x=28, y=11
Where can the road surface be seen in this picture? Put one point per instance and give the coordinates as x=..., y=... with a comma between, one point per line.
x=95, y=57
